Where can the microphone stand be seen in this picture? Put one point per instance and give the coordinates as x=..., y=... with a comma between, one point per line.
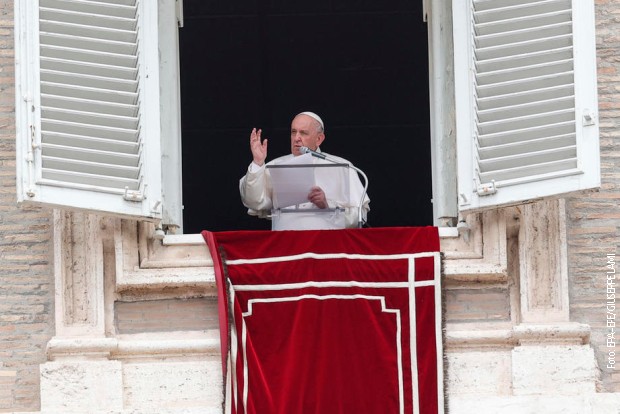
x=360, y=221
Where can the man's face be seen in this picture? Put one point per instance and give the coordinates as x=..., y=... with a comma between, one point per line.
x=304, y=133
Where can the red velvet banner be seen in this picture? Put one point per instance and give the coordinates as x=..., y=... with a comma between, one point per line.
x=332, y=321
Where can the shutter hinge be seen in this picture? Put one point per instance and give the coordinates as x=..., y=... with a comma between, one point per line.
x=30, y=160
x=179, y=13
x=464, y=199
x=487, y=189
x=588, y=117
x=32, y=147
x=132, y=195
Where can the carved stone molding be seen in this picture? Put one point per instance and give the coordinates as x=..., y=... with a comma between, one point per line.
x=157, y=270
x=79, y=274
x=543, y=263
x=458, y=337
x=183, y=261
x=479, y=254
x=138, y=346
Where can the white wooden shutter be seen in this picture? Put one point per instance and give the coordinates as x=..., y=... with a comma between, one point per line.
x=88, y=128
x=526, y=103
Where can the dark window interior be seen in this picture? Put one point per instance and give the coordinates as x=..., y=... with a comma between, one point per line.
x=361, y=65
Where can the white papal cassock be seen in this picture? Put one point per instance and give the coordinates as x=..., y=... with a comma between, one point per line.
x=342, y=186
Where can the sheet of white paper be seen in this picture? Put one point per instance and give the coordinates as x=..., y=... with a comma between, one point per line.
x=292, y=184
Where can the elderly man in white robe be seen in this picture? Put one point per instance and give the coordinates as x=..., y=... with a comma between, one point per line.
x=307, y=130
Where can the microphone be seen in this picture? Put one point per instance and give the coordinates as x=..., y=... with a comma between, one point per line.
x=360, y=220
x=306, y=150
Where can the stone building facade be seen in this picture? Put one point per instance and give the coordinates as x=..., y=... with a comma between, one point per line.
x=97, y=314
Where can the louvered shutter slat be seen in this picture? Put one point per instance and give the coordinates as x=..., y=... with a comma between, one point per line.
x=521, y=147
x=523, y=85
x=530, y=108
x=119, y=2
x=88, y=19
x=518, y=23
x=90, y=93
x=566, y=166
x=81, y=141
x=54, y=65
x=483, y=5
x=80, y=30
x=94, y=119
x=525, y=134
x=516, y=37
x=529, y=72
x=98, y=82
x=515, y=124
x=530, y=59
x=527, y=158
x=532, y=46
x=114, y=9
x=89, y=43
x=48, y=125
x=523, y=98
x=92, y=155
x=493, y=11
x=100, y=107
x=91, y=181
x=87, y=167
x=115, y=59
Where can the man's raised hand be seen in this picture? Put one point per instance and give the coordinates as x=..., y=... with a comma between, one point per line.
x=258, y=148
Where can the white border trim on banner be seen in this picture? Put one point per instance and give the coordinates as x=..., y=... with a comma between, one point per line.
x=327, y=256
x=398, y=338
x=411, y=284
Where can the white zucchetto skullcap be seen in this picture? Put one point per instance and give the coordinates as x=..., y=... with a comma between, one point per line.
x=315, y=116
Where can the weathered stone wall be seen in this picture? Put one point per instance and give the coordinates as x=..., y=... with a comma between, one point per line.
x=26, y=274
x=594, y=220
x=196, y=314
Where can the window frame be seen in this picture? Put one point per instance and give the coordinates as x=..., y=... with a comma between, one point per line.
x=451, y=115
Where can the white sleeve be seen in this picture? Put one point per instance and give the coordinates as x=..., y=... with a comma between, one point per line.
x=255, y=190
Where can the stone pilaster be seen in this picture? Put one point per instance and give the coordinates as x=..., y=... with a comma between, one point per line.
x=543, y=263
x=80, y=349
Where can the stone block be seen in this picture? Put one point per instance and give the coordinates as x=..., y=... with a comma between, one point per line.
x=173, y=384
x=479, y=372
x=537, y=404
x=81, y=386
x=554, y=370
